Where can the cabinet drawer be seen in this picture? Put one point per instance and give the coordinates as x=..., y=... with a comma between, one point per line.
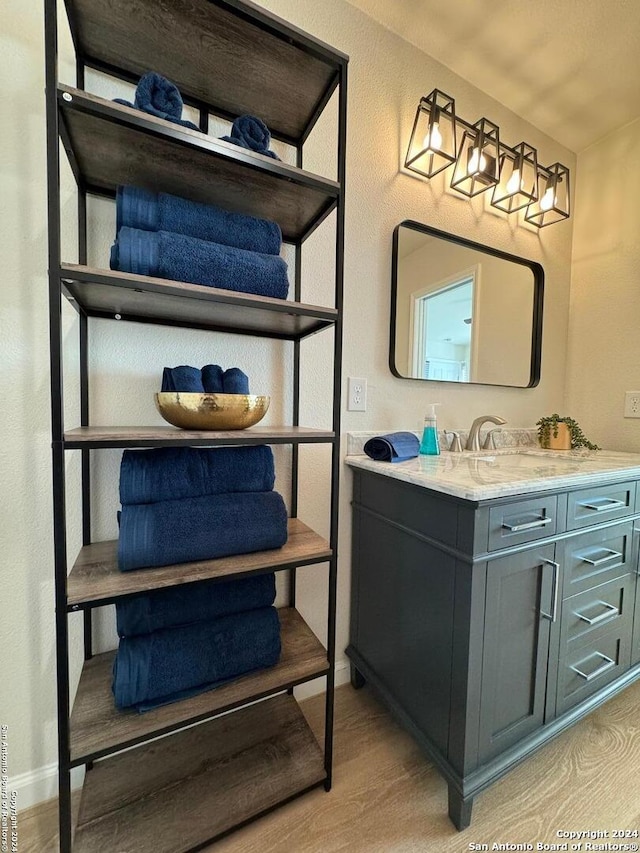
x=599, y=503
x=597, y=556
x=597, y=611
x=523, y=521
x=585, y=669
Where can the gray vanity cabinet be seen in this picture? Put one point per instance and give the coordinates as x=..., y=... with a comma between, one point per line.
x=488, y=627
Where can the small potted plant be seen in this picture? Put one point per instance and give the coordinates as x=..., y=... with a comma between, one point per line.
x=562, y=433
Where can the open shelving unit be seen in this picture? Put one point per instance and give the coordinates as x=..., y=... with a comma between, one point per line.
x=174, y=778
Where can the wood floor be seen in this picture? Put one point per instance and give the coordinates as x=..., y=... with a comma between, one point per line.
x=387, y=798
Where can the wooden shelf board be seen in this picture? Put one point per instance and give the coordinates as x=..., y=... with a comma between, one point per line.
x=98, y=728
x=104, y=293
x=110, y=144
x=96, y=579
x=162, y=436
x=175, y=794
x=248, y=62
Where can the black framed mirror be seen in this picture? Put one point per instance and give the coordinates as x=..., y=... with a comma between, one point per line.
x=463, y=312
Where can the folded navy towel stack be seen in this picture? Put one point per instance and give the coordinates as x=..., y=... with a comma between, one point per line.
x=204, y=528
x=148, y=211
x=181, y=473
x=174, y=663
x=198, y=602
x=182, y=505
x=173, y=238
x=164, y=254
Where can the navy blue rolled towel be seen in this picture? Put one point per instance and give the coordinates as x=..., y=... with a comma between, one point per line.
x=234, y=381
x=183, y=605
x=203, y=528
x=149, y=211
x=393, y=447
x=252, y=133
x=172, y=663
x=212, y=379
x=175, y=473
x=159, y=97
x=182, y=378
x=180, y=258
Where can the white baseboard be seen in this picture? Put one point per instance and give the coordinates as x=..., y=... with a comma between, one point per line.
x=40, y=785
x=312, y=688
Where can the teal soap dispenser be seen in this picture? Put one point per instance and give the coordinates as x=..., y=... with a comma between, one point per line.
x=430, y=446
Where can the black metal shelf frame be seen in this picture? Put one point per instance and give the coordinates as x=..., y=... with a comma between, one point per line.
x=59, y=276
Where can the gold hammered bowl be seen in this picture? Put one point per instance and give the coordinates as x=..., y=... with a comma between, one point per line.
x=211, y=411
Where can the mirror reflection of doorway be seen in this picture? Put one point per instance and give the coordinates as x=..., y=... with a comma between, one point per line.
x=445, y=321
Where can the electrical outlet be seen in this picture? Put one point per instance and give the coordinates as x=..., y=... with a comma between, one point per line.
x=356, y=394
x=632, y=404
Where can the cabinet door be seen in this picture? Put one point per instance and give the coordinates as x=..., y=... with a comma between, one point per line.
x=635, y=574
x=520, y=588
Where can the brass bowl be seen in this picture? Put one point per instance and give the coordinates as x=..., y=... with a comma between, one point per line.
x=211, y=411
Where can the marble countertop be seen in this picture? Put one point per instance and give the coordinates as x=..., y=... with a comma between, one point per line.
x=509, y=471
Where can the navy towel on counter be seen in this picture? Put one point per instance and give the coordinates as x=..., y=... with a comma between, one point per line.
x=203, y=528
x=252, y=133
x=180, y=258
x=393, y=447
x=173, y=663
x=149, y=211
x=189, y=603
x=182, y=378
x=176, y=473
x=159, y=97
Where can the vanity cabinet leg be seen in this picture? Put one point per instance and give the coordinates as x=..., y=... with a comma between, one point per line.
x=357, y=679
x=459, y=809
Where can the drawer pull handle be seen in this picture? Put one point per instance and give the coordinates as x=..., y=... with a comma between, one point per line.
x=607, y=664
x=602, y=504
x=552, y=617
x=527, y=525
x=610, y=611
x=609, y=556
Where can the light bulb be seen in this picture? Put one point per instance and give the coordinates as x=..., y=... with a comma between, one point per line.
x=514, y=184
x=548, y=199
x=477, y=162
x=433, y=139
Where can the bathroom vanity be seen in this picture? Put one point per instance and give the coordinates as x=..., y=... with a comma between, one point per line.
x=495, y=599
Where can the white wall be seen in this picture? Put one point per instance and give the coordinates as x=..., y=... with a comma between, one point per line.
x=604, y=345
x=386, y=79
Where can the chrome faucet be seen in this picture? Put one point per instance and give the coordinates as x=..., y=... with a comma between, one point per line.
x=473, y=442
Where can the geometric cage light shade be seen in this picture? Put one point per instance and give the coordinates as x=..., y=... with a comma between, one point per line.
x=518, y=183
x=482, y=161
x=552, y=204
x=432, y=146
x=478, y=162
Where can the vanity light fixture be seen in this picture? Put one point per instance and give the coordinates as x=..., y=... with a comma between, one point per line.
x=482, y=162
